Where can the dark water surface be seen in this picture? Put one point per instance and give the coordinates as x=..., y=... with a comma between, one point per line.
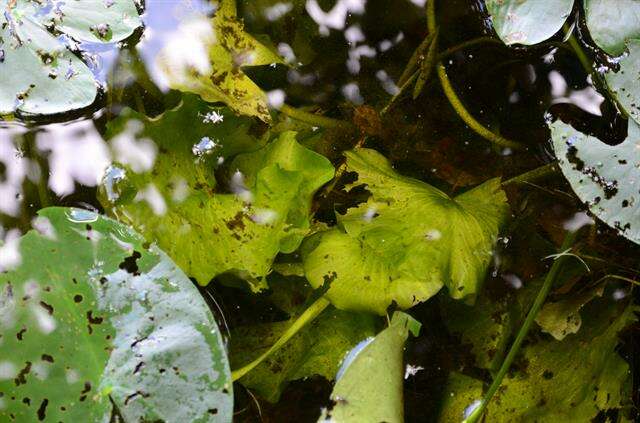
x=345, y=60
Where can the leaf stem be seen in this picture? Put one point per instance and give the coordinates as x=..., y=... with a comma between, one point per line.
x=306, y=317
x=455, y=100
x=575, y=46
x=524, y=329
x=534, y=174
x=313, y=119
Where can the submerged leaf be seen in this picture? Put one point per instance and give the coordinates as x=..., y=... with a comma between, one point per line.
x=206, y=230
x=369, y=384
x=95, y=319
x=625, y=84
x=605, y=177
x=40, y=75
x=528, y=22
x=572, y=380
x=611, y=26
x=317, y=349
x=219, y=49
x=406, y=242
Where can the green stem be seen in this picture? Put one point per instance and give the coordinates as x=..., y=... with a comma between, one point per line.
x=313, y=119
x=401, y=91
x=575, y=45
x=306, y=317
x=524, y=329
x=532, y=175
x=466, y=44
x=455, y=100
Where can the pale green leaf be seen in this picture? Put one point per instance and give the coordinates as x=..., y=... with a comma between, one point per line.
x=612, y=24
x=406, y=242
x=528, y=22
x=95, y=318
x=625, y=83
x=369, y=385
x=206, y=229
x=606, y=178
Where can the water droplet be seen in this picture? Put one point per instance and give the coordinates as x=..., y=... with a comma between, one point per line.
x=205, y=147
x=82, y=216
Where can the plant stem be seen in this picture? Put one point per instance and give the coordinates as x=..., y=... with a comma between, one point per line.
x=466, y=44
x=575, y=46
x=455, y=101
x=306, y=317
x=313, y=119
x=532, y=175
x=524, y=329
x=401, y=90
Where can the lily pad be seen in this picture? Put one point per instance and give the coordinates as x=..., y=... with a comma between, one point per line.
x=212, y=68
x=41, y=75
x=611, y=26
x=369, y=384
x=97, y=323
x=236, y=224
x=606, y=178
x=406, y=242
x=528, y=22
x=625, y=84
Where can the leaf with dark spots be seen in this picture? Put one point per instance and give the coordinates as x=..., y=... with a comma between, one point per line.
x=604, y=177
x=129, y=263
x=89, y=326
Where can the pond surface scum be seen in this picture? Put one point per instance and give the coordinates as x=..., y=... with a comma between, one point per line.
x=320, y=210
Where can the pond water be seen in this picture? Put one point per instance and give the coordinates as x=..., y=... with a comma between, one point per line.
x=142, y=144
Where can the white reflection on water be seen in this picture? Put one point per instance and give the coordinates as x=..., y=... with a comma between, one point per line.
x=77, y=153
x=15, y=171
x=588, y=99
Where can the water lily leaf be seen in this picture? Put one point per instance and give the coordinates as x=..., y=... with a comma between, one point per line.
x=528, y=22
x=406, y=242
x=611, y=27
x=562, y=318
x=369, y=384
x=572, y=380
x=266, y=212
x=97, y=322
x=317, y=349
x=213, y=68
x=606, y=178
x=625, y=84
x=40, y=74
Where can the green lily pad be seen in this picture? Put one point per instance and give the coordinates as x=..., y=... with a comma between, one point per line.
x=528, y=22
x=369, y=384
x=237, y=224
x=625, y=84
x=406, y=242
x=612, y=25
x=96, y=322
x=221, y=48
x=606, y=178
x=40, y=74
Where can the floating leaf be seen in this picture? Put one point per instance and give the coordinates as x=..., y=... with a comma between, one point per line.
x=572, y=380
x=212, y=68
x=611, y=27
x=406, y=242
x=317, y=349
x=267, y=211
x=605, y=177
x=369, y=384
x=40, y=74
x=96, y=322
x=625, y=84
x=528, y=22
